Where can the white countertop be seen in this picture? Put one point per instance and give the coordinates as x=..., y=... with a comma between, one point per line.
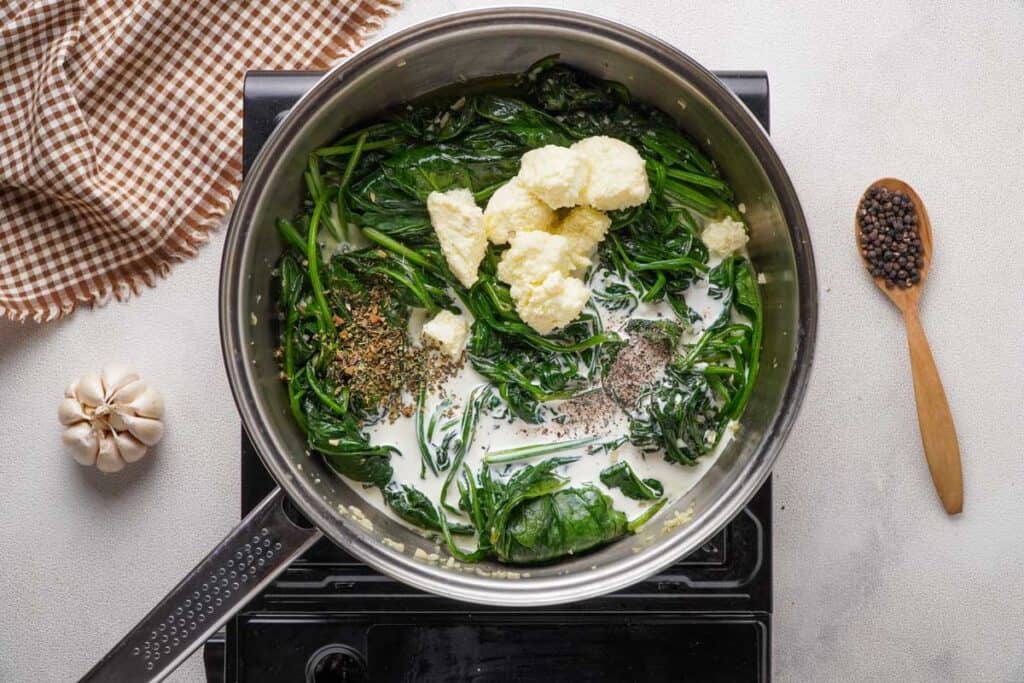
x=872, y=580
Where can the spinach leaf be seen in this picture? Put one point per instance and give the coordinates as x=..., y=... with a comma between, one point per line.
x=621, y=476
x=747, y=297
x=422, y=170
x=533, y=518
x=294, y=349
x=415, y=286
x=560, y=89
x=526, y=368
x=414, y=507
x=436, y=120
x=747, y=300
x=616, y=297
x=551, y=526
x=489, y=501
x=657, y=252
x=533, y=127
x=368, y=465
x=721, y=285
x=343, y=446
x=425, y=433
x=466, y=433
x=524, y=377
x=709, y=382
x=680, y=410
x=667, y=332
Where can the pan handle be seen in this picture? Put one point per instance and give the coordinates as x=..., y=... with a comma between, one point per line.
x=253, y=554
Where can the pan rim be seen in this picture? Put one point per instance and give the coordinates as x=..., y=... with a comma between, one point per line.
x=580, y=585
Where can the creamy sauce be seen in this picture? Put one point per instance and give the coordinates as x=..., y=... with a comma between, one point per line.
x=498, y=432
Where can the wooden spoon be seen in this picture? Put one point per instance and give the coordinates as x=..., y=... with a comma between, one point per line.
x=938, y=433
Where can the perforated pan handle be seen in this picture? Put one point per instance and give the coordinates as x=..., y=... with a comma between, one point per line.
x=253, y=554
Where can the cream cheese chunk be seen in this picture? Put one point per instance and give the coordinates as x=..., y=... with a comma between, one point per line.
x=594, y=175
x=556, y=175
x=552, y=304
x=511, y=209
x=617, y=174
x=459, y=224
x=724, y=237
x=531, y=256
x=448, y=331
x=538, y=265
x=585, y=228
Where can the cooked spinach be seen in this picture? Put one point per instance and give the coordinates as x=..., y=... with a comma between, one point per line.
x=666, y=332
x=369, y=188
x=709, y=383
x=533, y=518
x=414, y=507
x=563, y=523
x=519, y=453
x=621, y=476
x=345, y=448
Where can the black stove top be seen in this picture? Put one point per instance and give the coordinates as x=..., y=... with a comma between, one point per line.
x=329, y=618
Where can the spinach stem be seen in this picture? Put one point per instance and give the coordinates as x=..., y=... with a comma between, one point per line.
x=678, y=263
x=415, y=287
x=357, y=152
x=349, y=149
x=468, y=429
x=316, y=178
x=311, y=186
x=476, y=512
x=291, y=235
x=313, y=257
x=533, y=450
x=646, y=515
x=422, y=437
x=696, y=179
x=342, y=213
x=346, y=177
x=457, y=552
x=397, y=247
x=289, y=371
x=368, y=130
x=339, y=407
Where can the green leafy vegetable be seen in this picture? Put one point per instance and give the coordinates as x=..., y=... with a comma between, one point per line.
x=566, y=522
x=621, y=476
x=368, y=189
x=518, y=453
x=414, y=507
x=533, y=518
x=709, y=383
x=667, y=332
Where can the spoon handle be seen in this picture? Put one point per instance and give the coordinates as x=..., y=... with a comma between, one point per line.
x=938, y=434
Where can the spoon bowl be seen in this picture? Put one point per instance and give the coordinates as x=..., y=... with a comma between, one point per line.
x=938, y=433
x=908, y=297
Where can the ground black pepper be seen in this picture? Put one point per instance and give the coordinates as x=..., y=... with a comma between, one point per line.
x=889, y=239
x=634, y=369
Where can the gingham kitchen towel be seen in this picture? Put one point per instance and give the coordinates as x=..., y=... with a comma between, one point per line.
x=120, y=131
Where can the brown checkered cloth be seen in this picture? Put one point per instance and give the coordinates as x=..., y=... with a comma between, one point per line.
x=120, y=131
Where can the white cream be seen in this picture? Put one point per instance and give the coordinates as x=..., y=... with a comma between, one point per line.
x=494, y=434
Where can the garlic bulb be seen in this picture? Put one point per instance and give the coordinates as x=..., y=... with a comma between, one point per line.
x=111, y=418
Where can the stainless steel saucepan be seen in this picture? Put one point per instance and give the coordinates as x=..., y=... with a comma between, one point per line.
x=417, y=60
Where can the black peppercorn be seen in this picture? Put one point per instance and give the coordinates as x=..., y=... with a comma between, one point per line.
x=889, y=238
